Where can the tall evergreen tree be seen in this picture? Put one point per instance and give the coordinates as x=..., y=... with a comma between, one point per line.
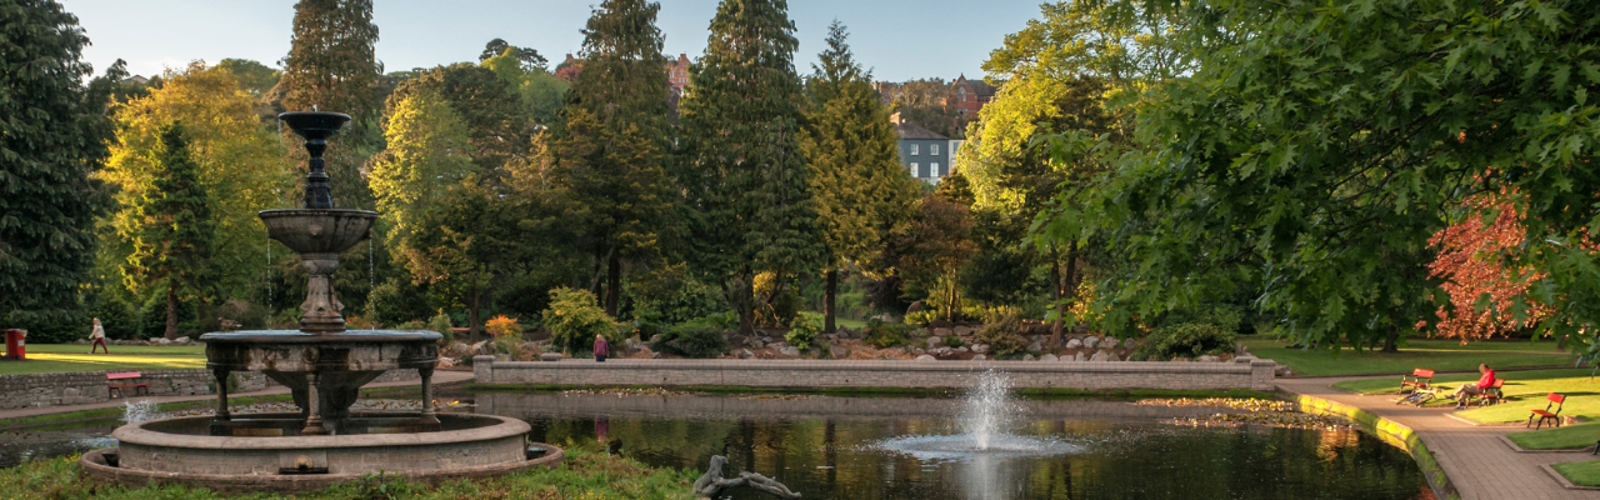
x=862, y=194
x=176, y=230
x=332, y=66
x=743, y=171
x=608, y=152
x=51, y=139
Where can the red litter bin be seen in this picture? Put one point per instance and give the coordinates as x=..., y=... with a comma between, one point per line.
x=16, y=344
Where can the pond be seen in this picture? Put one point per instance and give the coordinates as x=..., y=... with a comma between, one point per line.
x=902, y=448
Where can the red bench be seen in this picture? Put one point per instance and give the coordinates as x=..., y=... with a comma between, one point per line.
x=129, y=380
x=1494, y=394
x=1554, y=399
x=1418, y=379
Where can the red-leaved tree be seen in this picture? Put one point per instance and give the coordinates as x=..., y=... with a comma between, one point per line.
x=1470, y=262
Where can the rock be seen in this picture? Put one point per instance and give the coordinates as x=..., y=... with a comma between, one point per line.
x=1128, y=343
x=736, y=340
x=631, y=343
x=757, y=343
x=1038, y=339
x=482, y=347
x=181, y=341
x=1283, y=371
x=445, y=362
x=962, y=349
x=979, y=357
x=917, y=350
x=1102, y=355
x=943, y=332
x=926, y=357
x=1208, y=359
x=935, y=342
x=1048, y=357
x=789, y=350
x=1079, y=357
x=962, y=331
x=942, y=351
x=915, y=307
x=745, y=354
x=1028, y=357
x=1035, y=347
x=980, y=348
x=162, y=341
x=550, y=356
x=1074, y=344
x=838, y=352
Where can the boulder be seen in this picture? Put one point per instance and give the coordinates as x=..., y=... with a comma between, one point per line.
x=1080, y=357
x=789, y=350
x=1128, y=343
x=482, y=347
x=917, y=350
x=962, y=331
x=445, y=362
x=1208, y=359
x=1074, y=344
x=745, y=354
x=941, y=351
x=935, y=342
x=962, y=349
x=1035, y=347
x=757, y=343
x=1048, y=357
x=550, y=356
x=926, y=357
x=943, y=332
x=838, y=352
x=915, y=307
x=979, y=357
x=1027, y=357
x=980, y=348
x=181, y=341
x=1101, y=355
x=161, y=341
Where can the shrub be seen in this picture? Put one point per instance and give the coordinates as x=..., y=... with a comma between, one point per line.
x=441, y=323
x=803, y=330
x=507, y=335
x=1003, y=335
x=952, y=341
x=575, y=318
x=359, y=323
x=412, y=325
x=692, y=339
x=669, y=296
x=396, y=300
x=884, y=335
x=1210, y=330
x=923, y=317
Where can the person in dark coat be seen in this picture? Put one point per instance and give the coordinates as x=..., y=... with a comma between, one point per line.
x=601, y=349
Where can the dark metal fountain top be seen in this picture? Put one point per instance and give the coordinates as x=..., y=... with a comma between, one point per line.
x=316, y=127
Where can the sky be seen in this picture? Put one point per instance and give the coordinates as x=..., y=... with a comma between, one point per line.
x=898, y=39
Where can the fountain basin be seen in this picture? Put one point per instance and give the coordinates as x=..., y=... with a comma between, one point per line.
x=298, y=351
x=177, y=450
x=318, y=230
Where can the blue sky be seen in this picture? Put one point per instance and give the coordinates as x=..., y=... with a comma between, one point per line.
x=898, y=39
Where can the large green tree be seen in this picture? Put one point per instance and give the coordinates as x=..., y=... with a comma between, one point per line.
x=499, y=130
x=608, y=153
x=173, y=227
x=742, y=168
x=52, y=130
x=332, y=66
x=862, y=194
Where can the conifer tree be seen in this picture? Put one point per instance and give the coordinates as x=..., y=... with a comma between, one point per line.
x=608, y=153
x=51, y=140
x=743, y=172
x=862, y=194
x=332, y=66
x=176, y=230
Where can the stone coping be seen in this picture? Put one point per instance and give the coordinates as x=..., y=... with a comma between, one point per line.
x=299, y=337
x=1241, y=365
x=137, y=434
x=95, y=467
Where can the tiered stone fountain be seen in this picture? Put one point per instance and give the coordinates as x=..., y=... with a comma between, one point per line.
x=324, y=365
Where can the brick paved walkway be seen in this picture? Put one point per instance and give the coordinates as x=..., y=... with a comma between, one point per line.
x=440, y=377
x=1479, y=464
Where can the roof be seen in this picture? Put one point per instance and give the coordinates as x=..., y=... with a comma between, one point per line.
x=908, y=130
x=979, y=87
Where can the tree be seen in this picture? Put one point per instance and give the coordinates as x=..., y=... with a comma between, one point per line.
x=232, y=151
x=862, y=194
x=541, y=92
x=254, y=77
x=171, y=223
x=497, y=133
x=527, y=57
x=1483, y=292
x=925, y=102
x=52, y=140
x=742, y=170
x=931, y=254
x=428, y=155
x=332, y=66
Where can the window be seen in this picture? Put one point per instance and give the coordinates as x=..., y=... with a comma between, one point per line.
x=914, y=169
x=915, y=148
x=933, y=149
x=933, y=169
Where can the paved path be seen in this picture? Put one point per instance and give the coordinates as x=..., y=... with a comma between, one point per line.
x=440, y=377
x=1479, y=464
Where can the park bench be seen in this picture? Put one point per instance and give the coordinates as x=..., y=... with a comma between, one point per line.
x=1494, y=394
x=1418, y=379
x=1554, y=399
x=121, y=381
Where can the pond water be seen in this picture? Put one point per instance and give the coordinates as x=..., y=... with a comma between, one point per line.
x=904, y=448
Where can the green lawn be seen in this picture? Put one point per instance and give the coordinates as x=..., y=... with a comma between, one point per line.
x=1580, y=473
x=1570, y=437
x=49, y=358
x=1440, y=355
x=853, y=324
x=1525, y=390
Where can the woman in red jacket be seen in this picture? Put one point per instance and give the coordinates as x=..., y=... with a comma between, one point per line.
x=601, y=348
x=1484, y=382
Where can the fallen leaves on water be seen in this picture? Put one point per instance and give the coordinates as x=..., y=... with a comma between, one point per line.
x=1250, y=404
x=1288, y=420
x=623, y=391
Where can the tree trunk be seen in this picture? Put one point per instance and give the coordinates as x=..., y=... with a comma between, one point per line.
x=742, y=297
x=172, y=311
x=830, y=290
x=613, y=284
x=1067, y=288
x=472, y=315
x=950, y=308
x=1561, y=343
x=1056, y=287
x=1392, y=344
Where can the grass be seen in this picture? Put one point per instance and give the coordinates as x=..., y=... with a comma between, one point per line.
x=54, y=358
x=1439, y=355
x=1525, y=390
x=1571, y=437
x=1046, y=393
x=853, y=324
x=585, y=474
x=1580, y=473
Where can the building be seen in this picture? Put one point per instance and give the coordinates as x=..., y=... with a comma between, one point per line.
x=969, y=96
x=678, y=72
x=925, y=154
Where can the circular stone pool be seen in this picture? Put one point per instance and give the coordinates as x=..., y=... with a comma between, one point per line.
x=181, y=450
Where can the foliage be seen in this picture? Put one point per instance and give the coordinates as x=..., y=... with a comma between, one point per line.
x=525, y=56
x=924, y=101
x=1211, y=330
x=931, y=254
x=952, y=341
x=693, y=339
x=497, y=133
x=670, y=295
x=541, y=92
x=441, y=323
x=332, y=66
x=427, y=155
x=170, y=224
x=53, y=138
x=803, y=329
x=924, y=317
x=741, y=166
x=862, y=194
x=254, y=78
x=884, y=335
x=397, y=300
x=1003, y=335
x=507, y=335
x=1482, y=291
x=574, y=319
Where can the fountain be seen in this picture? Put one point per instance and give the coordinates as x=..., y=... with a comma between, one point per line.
x=987, y=413
x=324, y=366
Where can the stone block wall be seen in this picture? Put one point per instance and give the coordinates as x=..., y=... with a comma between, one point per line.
x=1243, y=373
x=44, y=390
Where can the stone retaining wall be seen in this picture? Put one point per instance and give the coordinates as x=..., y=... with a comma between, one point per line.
x=44, y=390
x=1243, y=373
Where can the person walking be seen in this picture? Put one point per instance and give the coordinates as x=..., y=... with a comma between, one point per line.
x=601, y=348
x=98, y=336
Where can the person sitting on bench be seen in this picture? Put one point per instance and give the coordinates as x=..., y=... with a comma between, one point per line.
x=1484, y=382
